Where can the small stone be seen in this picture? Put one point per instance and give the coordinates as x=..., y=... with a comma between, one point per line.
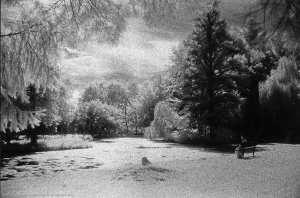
x=145, y=161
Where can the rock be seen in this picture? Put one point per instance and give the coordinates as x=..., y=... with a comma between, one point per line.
x=145, y=161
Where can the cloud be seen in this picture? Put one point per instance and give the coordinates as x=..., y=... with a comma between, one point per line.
x=140, y=52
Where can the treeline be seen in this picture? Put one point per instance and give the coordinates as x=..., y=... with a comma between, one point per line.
x=111, y=108
x=104, y=109
x=226, y=82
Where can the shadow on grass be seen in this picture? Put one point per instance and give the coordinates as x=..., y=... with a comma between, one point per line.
x=16, y=149
x=166, y=142
x=110, y=139
x=225, y=149
x=216, y=148
x=249, y=157
x=152, y=147
x=103, y=141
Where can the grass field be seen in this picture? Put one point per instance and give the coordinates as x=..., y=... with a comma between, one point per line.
x=112, y=168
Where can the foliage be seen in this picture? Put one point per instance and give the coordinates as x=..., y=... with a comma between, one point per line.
x=114, y=94
x=178, y=15
x=31, y=36
x=170, y=13
x=150, y=94
x=165, y=121
x=92, y=93
x=96, y=118
x=29, y=54
x=210, y=79
x=148, y=133
x=175, y=76
x=186, y=136
x=280, y=99
x=279, y=18
x=65, y=110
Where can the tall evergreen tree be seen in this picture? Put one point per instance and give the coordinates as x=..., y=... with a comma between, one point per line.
x=210, y=80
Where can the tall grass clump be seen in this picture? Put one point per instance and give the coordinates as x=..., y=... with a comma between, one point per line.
x=64, y=142
x=46, y=143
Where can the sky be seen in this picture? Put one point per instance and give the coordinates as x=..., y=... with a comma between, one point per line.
x=141, y=52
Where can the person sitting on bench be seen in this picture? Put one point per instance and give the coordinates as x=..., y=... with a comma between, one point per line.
x=243, y=144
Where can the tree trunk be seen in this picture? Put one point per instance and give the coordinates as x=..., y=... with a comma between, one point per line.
x=199, y=124
x=126, y=122
x=136, y=124
x=211, y=112
x=33, y=136
x=7, y=136
x=136, y=129
x=212, y=132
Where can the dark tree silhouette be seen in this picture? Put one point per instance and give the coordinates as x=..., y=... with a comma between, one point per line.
x=209, y=88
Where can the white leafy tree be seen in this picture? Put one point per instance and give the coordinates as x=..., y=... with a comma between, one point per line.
x=32, y=35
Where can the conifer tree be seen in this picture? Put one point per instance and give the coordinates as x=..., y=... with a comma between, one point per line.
x=209, y=88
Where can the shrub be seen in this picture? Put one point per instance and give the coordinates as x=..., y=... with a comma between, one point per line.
x=165, y=121
x=148, y=134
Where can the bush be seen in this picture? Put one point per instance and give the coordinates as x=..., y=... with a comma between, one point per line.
x=148, y=134
x=165, y=121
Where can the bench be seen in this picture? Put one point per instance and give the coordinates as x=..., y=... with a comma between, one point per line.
x=248, y=146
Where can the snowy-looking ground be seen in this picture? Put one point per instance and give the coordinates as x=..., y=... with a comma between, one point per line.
x=113, y=168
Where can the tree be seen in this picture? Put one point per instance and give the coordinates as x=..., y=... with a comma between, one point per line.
x=96, y=118
x=175, y=75
x=65, y=110
x=118, y=96
x=280, y=99
x=169, y=13
x=260, y=65
x=31, y=36
x=165, y=120
x=210, y=80
x=150, y=94
x=278, y=18
x=90, y=93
